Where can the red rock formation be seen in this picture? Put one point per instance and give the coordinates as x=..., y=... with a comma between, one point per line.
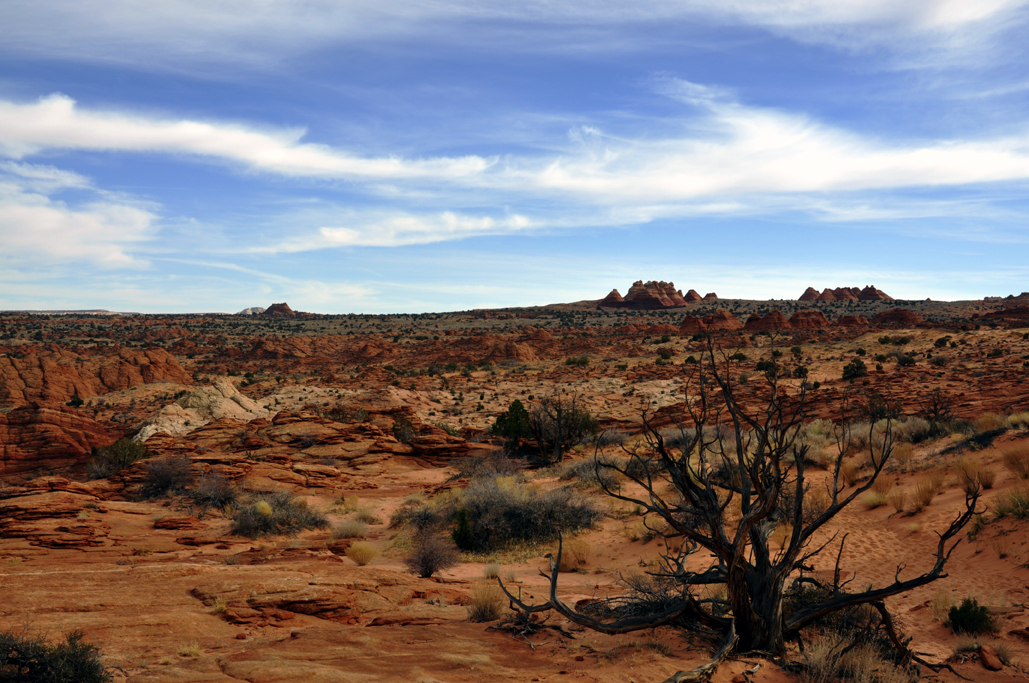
x=693, y=297
x=36, y=437
x=870, y=293
x=710, y=296
x=1015, y=316
x=56, y=374
x=769, y=323
x=612, y=300
x=808, y=320
x=648, y=296
x=810, y=294
x=722, y=321
x=896, y=316
x=691, y=325
x=826, y=295
x=845, y=294
x=852, y=321
x=279, y=311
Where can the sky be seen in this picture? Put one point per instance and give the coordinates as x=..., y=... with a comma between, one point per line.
x=440, y=155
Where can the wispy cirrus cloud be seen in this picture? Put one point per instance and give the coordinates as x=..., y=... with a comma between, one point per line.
x=56, y=123
x=236, y=31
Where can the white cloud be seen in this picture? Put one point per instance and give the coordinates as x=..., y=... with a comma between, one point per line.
x=162, y=35
x=56, y=123
x=37, y=230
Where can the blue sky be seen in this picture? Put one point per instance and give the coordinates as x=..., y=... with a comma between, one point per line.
x=427, y=155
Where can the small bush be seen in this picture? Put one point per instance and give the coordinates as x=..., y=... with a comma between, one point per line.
x=114, y=458
x=267, y=513
x=854, y=369
x=169, y=474
x=578, y=361
x=898, y=499
x=351, y=528
x=487, y=602
x=591, y=472
x=214, y=490
x=33, y=660
x=970, y=617
x=1016, y=459
x=362, y=552
x=491, y=570
x=971, y=475
x=989, y=422
x=882, y=484
x=431, y=554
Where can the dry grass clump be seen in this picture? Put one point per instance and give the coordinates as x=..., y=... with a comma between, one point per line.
x=1016, y=459
x=487, y=602
x=903, y=456
x=973, y=475
x=873, y=499
x=491, y=570
x=362, y=553
x=989, y=422
x=831, y=659
x=816, y=501
x=882, y=484
x=351, y=528
x=190, y=650
x=366, y=515
x=849, y=473
x=924, y=494
x=898, y=499
x=1014, y=503
x=940, y=605
x=575, y=554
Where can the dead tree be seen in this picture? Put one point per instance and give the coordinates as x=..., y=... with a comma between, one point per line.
x=737, y=470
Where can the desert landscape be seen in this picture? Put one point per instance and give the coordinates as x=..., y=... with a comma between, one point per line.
x=286, y=496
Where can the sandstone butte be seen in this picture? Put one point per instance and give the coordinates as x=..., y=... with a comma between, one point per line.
x=869, y=293
x=649, y=296
x=278, y=311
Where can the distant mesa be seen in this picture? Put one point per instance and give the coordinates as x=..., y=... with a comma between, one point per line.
x=869, y=293
x=254, y=310
x=279, y=311
x=653, y=295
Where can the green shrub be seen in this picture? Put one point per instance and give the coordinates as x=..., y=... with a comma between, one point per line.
x=970, y=617
x=267, y=513
x=513, y=424
x=578, y=361
x=462, y=534
x=855, y=368
x=114, y=458
x=33, y=660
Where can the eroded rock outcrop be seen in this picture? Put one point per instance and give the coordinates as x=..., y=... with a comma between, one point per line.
x=649, y=296
x=206, y=404
x=896, y=316
x=39, y=437
x=807, y=320
x=56, y=374
x=770, y=323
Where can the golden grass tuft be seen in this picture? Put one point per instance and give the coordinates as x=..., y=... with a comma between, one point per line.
x=190, y=650
x=575, y=553
x=219, y=606
x=351, y=528
x=849, y=473
x=898, y=499
x=487, y=602
x=362, y=552
x=491, y=570
x=989, y=422
x=1016, y=459
x=925, y=491
x=873, y=499
x=882, y=484
x=903, y=456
